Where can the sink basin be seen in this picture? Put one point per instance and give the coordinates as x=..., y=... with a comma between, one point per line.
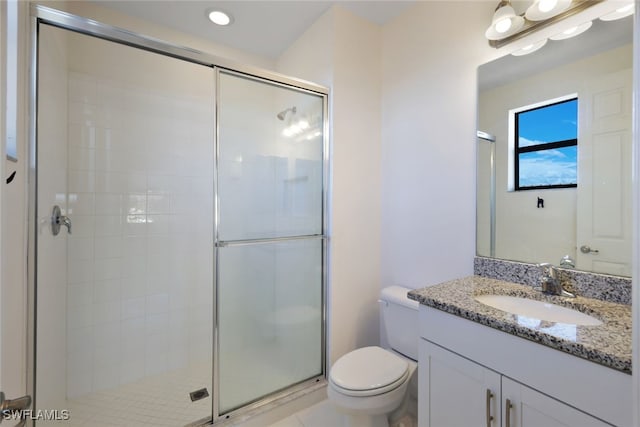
x=538, y=310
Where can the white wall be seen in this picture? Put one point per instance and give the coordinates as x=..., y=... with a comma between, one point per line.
x=342, y=51
x=428, y=127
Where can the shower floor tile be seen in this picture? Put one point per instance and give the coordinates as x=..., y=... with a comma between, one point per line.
x=161, y=400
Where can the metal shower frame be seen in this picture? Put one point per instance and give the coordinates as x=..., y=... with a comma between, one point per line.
x=45, y=15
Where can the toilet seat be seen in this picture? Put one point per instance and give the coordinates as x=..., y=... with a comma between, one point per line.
x=368, y=371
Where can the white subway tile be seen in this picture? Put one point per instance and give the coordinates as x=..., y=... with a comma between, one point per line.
x=80, y=271
x=81, y=181
x=79, y=317
x=110, y=182
x=108, y=247
x=136, y=182
x=81, y=135
x=107, y=268
x=81, y=158
x=106, y=291
x=79, y=248
x=80, y=203
x=108, y=225
x=106, y=314
x=134, y=267
x=79, y=295
x=158, y=224
x=106, y=377
x=82, y=226
x=133, y=287
x=108, y=204
x=157, y=304
x=156, y=323
x=133, y=308
x=159, y=204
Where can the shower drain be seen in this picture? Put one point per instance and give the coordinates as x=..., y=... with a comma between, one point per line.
x=198, y=394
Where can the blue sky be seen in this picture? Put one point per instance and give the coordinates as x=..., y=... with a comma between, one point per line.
x=550, y=124
x=555, y=123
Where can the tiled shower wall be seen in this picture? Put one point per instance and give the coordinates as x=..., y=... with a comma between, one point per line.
x=139, y=293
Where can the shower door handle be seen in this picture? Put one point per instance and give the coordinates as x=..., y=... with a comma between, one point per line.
x=10, y=408
x=58, y=220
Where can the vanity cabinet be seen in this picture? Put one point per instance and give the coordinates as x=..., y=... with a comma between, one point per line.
x=525, y=407
x=460, y=392
x=468, y=370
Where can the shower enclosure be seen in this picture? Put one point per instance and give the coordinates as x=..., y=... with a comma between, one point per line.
x=178, y=244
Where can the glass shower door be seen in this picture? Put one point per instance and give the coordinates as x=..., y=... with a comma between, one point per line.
x=124, y=294
x=269, y=239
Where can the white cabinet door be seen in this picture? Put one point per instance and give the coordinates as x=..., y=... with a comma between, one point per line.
x=525, y=407
x=456, y=391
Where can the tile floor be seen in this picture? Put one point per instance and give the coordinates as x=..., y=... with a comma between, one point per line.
x=323, y=414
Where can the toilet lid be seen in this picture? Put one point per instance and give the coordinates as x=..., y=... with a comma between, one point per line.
x=368, y=368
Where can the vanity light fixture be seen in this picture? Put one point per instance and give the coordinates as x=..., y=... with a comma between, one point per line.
x=219, y=17
x=505, y=22
x=530, y=48
x=507, y=26
x=545, y=9
x=619, y=13
x=572, y=32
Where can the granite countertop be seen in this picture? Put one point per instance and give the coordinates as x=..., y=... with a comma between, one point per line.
x=608, y=344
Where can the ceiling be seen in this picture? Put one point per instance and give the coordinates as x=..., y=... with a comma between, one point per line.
x=265, y=27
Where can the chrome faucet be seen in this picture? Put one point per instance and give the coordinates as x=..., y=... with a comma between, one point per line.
x=550, y=283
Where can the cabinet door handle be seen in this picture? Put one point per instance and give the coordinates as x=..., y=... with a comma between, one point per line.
x=489, y=396
x=507, y=413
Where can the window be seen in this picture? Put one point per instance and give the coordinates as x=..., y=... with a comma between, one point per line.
x=546, y=145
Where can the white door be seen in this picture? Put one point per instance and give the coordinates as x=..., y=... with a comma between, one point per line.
x=459, y=393
x=525, y=407
x=604, y=176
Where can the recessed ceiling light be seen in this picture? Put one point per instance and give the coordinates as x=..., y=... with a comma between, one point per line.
x=219, y=17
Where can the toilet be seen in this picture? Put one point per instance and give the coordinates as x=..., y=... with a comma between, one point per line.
x=370, y=383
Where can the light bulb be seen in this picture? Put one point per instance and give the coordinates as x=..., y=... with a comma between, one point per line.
x=503, y=25
x=547, y=5
x=570, y=31
x=303, y=124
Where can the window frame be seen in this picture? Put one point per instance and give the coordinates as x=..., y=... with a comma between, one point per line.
x=517, y=150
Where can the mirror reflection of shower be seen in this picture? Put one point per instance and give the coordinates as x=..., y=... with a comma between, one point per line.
x=299, y=126
x=484, y=136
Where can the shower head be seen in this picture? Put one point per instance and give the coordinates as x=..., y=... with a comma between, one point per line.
x=485, y=136
x=282, y=114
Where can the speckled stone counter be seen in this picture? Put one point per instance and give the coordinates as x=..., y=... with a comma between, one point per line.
x=591, y=285
x=608, y=344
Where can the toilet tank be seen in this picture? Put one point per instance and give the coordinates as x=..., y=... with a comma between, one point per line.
x=399, y=321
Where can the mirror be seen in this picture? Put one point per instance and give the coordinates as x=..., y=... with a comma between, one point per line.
x=590, y=223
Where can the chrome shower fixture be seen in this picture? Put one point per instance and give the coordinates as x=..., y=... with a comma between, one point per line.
x=282, y=114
